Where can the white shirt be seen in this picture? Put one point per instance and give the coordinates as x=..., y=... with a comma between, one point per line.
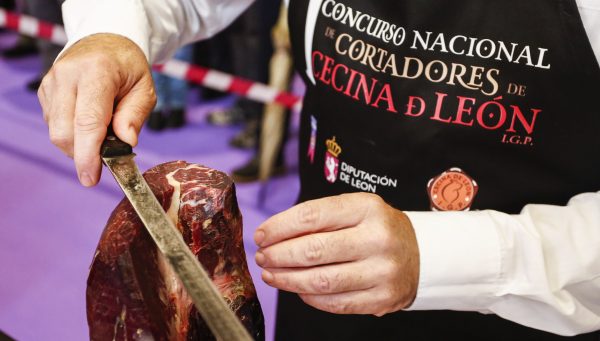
x=540, y=268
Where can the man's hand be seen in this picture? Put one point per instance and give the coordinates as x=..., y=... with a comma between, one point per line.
x=97, y=75
x=349, y=254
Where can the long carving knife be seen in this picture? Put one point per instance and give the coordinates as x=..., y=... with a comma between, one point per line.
x=118, y=157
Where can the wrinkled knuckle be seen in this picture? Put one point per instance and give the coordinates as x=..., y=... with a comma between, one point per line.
x=308, y=215
x=321, y=282
x=88, y=122
x=314, y=252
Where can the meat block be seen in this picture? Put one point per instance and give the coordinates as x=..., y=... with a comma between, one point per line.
x=132, y=292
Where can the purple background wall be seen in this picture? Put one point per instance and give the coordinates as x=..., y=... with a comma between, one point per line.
x=50, y=225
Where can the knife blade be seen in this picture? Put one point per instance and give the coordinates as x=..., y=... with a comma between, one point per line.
x=118, y=157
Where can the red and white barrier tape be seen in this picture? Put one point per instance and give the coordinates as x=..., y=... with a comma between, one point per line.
x=225, y=82
x=209, y=78
x=32, y=27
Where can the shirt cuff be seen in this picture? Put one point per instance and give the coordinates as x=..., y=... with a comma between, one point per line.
x=123, y=17
x=460, y=260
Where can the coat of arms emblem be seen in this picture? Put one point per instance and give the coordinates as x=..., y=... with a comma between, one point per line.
x=332, y=162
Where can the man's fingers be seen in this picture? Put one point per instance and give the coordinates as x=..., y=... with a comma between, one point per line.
x=60, y=121
x=132, y=110
x=355, y=302
x=326, y=214
x=315, y=249
x=93, y=112
x=343, y=277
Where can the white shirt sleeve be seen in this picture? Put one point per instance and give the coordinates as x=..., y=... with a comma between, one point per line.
x=158, y=27
x=540, y=268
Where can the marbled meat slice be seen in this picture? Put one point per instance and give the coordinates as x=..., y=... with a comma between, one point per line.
x=132, y=293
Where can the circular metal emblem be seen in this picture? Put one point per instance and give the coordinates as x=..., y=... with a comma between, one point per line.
x=452, y=190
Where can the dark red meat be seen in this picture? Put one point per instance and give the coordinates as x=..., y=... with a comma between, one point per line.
x=133, y=294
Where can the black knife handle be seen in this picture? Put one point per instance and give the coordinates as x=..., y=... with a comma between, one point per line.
x=113, y=146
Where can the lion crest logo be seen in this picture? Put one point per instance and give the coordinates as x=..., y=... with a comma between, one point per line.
x=332, y=163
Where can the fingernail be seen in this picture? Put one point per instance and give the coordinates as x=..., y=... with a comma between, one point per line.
x=86, y=179
x=259, y=257
x=259, y=237
x=267, y=276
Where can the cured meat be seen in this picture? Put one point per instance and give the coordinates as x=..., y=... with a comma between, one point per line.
x=133, y=294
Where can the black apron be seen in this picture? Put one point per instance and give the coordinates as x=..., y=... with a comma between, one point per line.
x=400, y=91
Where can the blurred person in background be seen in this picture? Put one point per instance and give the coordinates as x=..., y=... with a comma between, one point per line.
x=171, y=96
x=50, y=11
x=215, y=54
x=249, y=171
x=250, y=46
